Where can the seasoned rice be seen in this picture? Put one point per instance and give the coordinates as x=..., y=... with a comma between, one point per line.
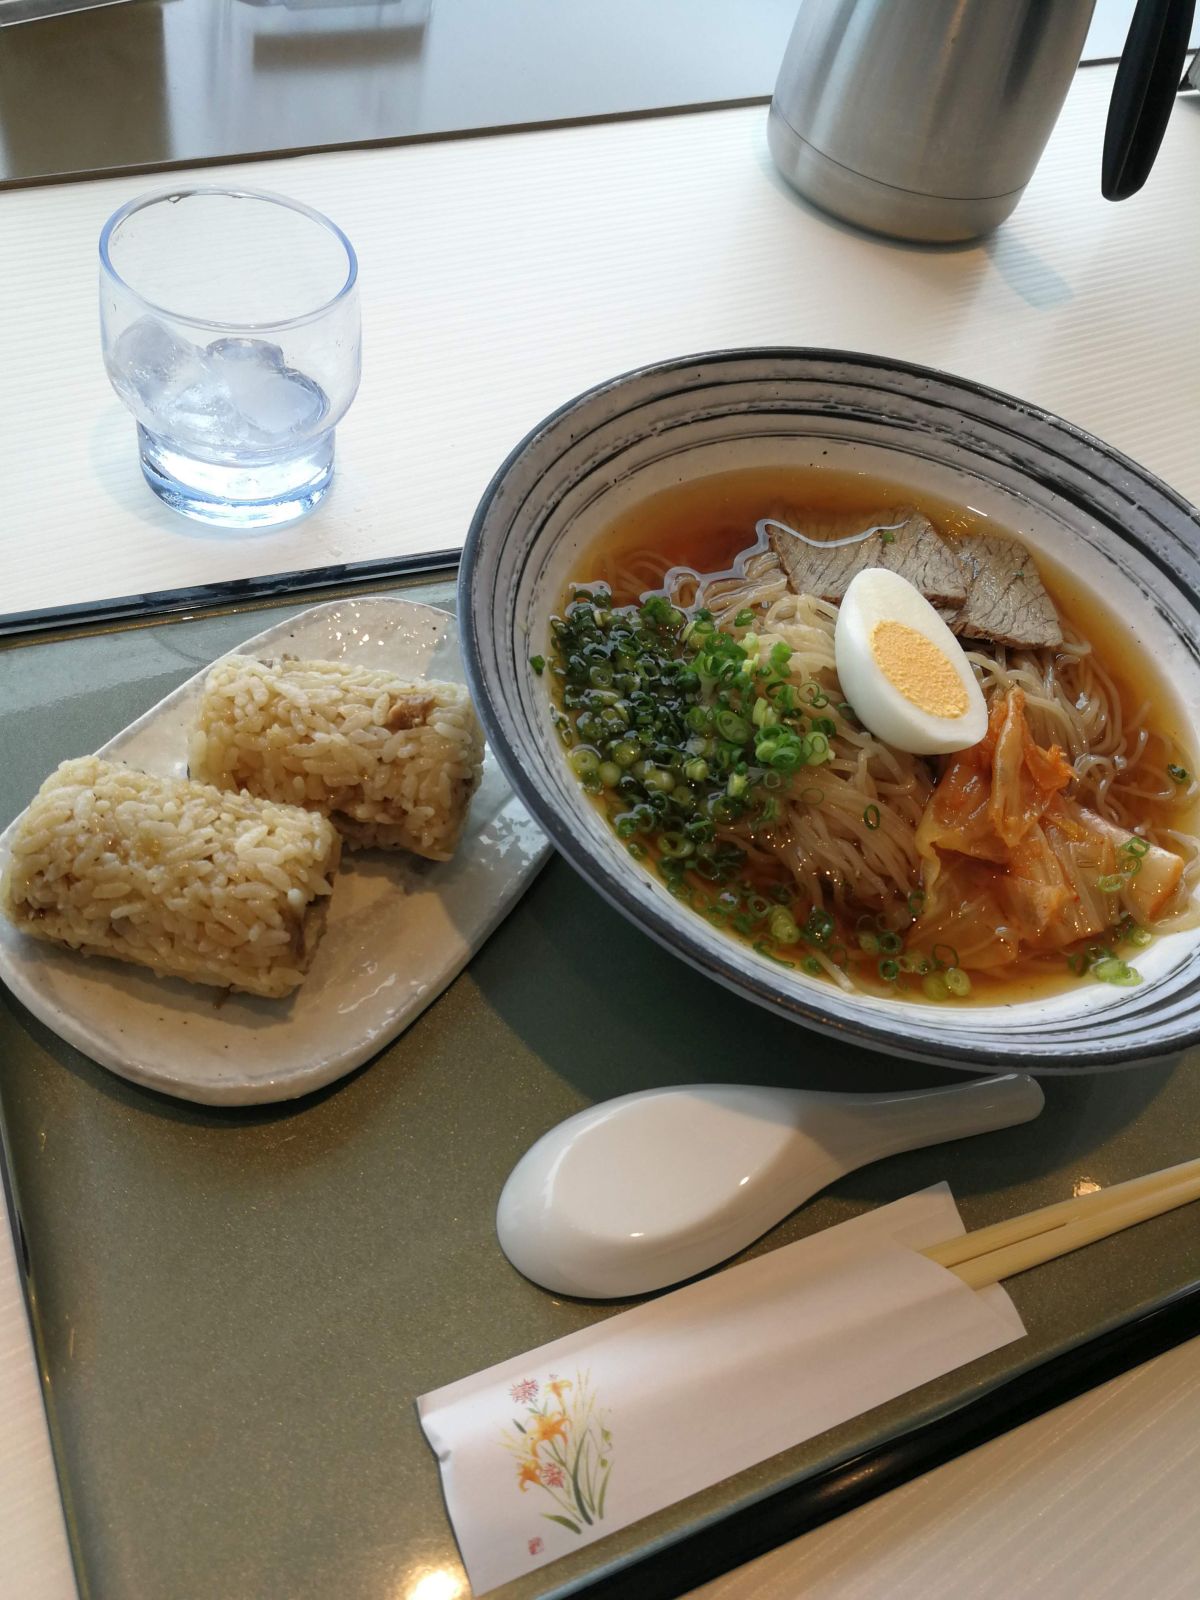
x=178, y=876
x=392, y=764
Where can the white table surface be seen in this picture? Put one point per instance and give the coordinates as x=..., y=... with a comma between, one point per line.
x=1093, y=1501
x=35, y=1563
x=502, y=275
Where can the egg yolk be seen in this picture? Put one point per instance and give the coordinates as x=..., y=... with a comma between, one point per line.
x=916, y=667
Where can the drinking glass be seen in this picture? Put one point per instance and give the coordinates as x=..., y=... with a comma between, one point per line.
x=230, y=327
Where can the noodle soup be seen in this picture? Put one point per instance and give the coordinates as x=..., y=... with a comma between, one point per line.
x=695, y=674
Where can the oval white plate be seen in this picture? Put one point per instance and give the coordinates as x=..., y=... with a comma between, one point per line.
x=399, y=928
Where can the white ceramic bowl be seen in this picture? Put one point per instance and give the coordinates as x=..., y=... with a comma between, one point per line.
x=1126, y=537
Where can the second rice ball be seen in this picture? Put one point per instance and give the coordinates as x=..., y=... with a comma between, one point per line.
x=391, y=764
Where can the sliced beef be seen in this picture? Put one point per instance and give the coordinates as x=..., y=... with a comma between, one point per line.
x=984, y=585
x=1006, y=600
x=904, y=542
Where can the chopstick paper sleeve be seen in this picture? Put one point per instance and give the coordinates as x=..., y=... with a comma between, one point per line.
x=553, y=1449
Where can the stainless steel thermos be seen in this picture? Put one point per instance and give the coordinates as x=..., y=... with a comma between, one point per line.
x=925, y=118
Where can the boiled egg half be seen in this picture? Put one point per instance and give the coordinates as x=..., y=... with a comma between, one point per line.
x=901, y=669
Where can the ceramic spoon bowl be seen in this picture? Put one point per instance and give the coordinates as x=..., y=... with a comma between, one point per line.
x=648, y=1189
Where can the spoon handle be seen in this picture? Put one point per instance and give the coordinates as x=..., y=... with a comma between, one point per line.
x=888, y=1123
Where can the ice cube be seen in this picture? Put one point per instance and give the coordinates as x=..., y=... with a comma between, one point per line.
x=277, y=404
x=150, y=364
x=203, y=417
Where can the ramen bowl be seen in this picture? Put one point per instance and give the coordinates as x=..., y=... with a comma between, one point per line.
x=1123, y=537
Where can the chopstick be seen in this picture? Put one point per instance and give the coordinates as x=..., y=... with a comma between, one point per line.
x=1005, y=1248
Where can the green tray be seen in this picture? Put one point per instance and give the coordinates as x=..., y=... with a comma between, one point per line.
x=236, y=1310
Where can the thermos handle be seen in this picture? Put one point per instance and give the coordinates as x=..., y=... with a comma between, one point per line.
x=1146, y=84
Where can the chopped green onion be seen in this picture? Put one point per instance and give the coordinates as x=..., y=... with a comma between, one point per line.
x=819, y=926
x=743, y=619
x=935, y=987
x=889, y=970
x=1078, y=964
x=1115, y=971
x=658, y=609
x=538, y=663
x=1178, y=774
x=825, y=725
x=1113, y=883
x=957, y=981
x=812, y=966
x=676, y=845
x=732, y=727
x=585, y=762
x=610, y=774
x=781, y=925
x=696, y=771
x=1139, y=936
x=890, y=943
x=784, y=753
x=916, y=902
x=1136, y=846
x=869, y=944
x=886, y=536
x=636, y=850
x=949, y=959
x=871, y=817
x=815, y=695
